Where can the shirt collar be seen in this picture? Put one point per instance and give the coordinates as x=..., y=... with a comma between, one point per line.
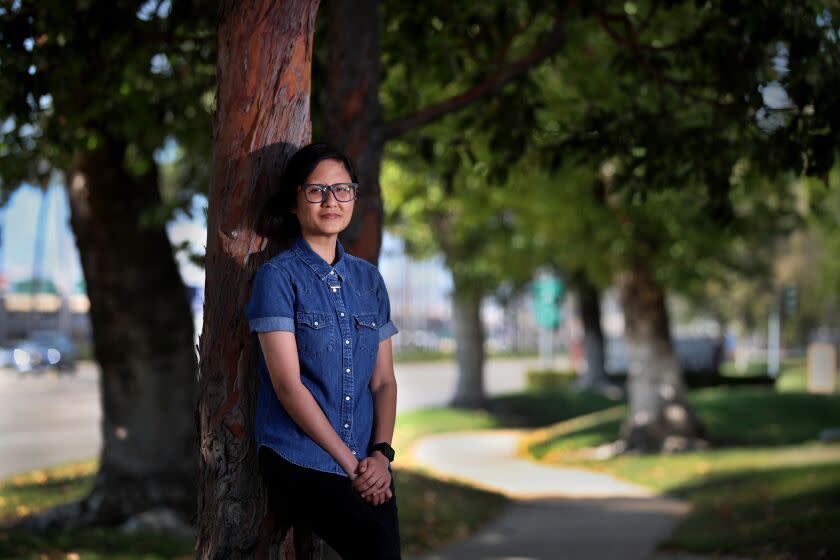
x=317, y=263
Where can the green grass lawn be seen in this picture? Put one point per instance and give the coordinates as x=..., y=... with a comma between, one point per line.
x=432, y=513
x=528, y=409
x=766, y=489
x=39, y=489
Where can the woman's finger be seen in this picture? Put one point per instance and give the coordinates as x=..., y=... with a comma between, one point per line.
x=372, y=487
x=380, y=485
x=362, y=479
x=373, y=482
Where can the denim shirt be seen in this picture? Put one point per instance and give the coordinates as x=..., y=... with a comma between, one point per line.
x=339, y=315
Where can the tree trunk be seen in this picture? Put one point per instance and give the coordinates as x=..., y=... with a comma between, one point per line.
x=469, y=347
x=143, y=341
x=593, y=336
x=353, y=115
x=262, y=117
x=659, y=417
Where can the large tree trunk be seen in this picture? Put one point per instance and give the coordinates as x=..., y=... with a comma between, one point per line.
x=262, y=117
x=469, y=347
x=659, y=417
x=143, y=342
x=353, y=115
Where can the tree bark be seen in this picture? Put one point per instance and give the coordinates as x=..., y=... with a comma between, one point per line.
x=469, y=346
x=353, y=115
x=143, y=341
x=593, y=336
x=262, y=117
x=659, y=417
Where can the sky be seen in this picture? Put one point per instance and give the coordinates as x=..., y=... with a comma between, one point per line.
x=19, y=220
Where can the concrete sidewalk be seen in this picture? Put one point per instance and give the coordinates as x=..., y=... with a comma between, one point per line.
x=557, y=513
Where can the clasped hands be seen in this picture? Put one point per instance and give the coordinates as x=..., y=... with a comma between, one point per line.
x=372, y=479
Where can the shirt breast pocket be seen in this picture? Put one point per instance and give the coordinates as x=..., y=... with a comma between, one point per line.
x=314, y=332
x=368, y=332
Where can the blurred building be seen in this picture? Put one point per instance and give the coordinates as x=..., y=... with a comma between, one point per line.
x=420, y=291
x=23, y=311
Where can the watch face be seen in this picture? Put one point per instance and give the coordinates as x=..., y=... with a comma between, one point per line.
x=386, y=450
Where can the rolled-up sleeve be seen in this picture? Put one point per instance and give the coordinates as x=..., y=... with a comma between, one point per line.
x=271, y=305
x=387, y=327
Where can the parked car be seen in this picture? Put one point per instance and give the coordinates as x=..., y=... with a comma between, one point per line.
x=5, y=356
x=45, y=349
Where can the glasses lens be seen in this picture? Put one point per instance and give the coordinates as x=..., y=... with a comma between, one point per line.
x=313, y=193
x=344, y=192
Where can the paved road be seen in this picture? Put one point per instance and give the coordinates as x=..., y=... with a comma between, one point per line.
x=46, y=419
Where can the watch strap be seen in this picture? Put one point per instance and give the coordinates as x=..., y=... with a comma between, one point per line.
x=385, y=448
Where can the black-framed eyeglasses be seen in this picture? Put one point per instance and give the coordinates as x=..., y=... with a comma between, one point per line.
x=343, y=192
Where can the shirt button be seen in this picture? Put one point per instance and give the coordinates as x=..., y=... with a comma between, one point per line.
x=316, y=323
x=332, y=271
x=353, y=452
x=346, y=341
x=334, y=289
x=347, y=370
x=346, y=425
x=342, y=314
x=347, y=398
x=374, y=324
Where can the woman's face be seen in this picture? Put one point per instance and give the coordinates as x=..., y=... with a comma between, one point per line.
x=329, y=217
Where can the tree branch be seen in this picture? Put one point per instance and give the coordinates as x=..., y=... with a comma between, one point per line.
x=631, y=42
x=654, y=7
x=692, y=38
x=502, y=54
x=486, y=88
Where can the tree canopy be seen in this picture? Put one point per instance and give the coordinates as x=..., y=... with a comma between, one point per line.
x=86, y=73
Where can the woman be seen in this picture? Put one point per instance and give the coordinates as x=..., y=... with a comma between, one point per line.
x=327, y=397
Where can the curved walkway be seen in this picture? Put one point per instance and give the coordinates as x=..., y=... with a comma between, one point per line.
x=556, y=513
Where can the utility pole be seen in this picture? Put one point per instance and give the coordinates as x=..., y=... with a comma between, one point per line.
x=773, y=342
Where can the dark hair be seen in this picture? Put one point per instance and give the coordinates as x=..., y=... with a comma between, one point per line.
x=284, y=224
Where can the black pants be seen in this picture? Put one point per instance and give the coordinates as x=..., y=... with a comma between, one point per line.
x=327, y=504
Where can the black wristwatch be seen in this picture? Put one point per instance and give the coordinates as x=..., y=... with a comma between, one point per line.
x=384, y=448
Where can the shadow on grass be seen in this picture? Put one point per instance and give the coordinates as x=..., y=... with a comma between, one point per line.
x=529, y=409
x=432, y=513
x=91, y=544
x=534, y=408
x=735, y=417
x=753, y=416
x=786, y=512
